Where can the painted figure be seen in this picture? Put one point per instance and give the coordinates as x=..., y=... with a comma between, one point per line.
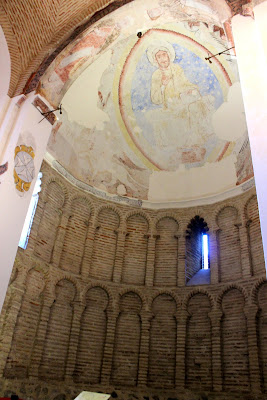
x=180, y=99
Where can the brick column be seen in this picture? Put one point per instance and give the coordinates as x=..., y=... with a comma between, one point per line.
x=146, y=317
x=117, y=272
x=181, y=319
x=59, y=242
x=150, y=261
x=9, y=321
x=78, y=309
x=112, y=316
x=181, y=260
x=214, y=258
x=88, y=250
x=254, y=369
x=40, y=339
x=245, y=254
x=215, y=318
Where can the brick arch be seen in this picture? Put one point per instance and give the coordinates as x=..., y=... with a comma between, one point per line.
x=161, y=292
x=207, y=216
x=83, y=198
x=111, y=207
x=127, y=340
x=135, y=249
x=105, y=243
x=196, y=227
x=198, y=291
x=142, y=214
x=229, y=287
x=163, y=336
x=255, y=289
x=219, y=209
x=170, y=215
x=54, y=358
x=46, y=46
x=228, y=244
x=65, y=276
x=134, y=290
x=198, y=343
x=166, y=251
x=62, y=186
x=234, y=334
x=72, y=254
x=92, y=285
x=90, y=353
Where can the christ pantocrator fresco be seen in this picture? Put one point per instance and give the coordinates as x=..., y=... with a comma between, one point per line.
x=188, y=113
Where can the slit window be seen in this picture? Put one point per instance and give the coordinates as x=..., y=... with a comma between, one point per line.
x=205, y=251
x=30, y=214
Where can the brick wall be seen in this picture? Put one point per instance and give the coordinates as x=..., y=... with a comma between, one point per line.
x=127, y=341
x=134, y=263
x=198, y=344
x=95, y=304
x=92, y=337
x=229, y=245
x=166, y=253
x=105, y=238
x=72, y=252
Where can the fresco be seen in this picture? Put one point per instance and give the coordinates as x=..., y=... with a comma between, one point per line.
x=137, y=107
x=173, y=95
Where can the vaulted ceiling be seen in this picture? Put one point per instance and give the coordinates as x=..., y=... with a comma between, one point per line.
x=36, y=31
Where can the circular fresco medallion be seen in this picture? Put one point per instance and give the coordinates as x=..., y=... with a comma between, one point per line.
x=24, y=170
x=167, y=95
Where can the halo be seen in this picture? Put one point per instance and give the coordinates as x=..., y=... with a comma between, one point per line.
x=160, y=45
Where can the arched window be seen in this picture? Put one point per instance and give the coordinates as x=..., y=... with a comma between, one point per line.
x=197, y=252
x=30, y=214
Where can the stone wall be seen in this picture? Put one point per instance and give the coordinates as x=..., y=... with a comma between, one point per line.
x=98, y=301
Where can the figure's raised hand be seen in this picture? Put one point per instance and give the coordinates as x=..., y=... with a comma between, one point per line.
x=165, y=79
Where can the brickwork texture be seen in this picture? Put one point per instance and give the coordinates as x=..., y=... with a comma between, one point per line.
x=98, y=301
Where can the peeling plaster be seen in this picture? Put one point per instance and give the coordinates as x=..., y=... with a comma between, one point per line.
x=192, y=183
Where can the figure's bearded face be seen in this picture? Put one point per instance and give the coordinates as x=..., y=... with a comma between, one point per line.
x=163, y=59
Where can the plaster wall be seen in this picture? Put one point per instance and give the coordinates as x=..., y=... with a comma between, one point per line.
x=20, y=127
x=251, y=47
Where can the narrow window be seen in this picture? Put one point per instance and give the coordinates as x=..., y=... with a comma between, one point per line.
x=30, y=214
x=205, y=251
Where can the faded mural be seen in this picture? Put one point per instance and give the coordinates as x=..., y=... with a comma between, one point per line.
x=134, y=107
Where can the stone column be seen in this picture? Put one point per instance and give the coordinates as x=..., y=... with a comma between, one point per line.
x=150, y=261
x=78, y=309
x=59, y=242
x=146, y=317
x=112, y=316
x=245, y=254
x=181, y=318
x=181, y=260
x=215, y=318
x=251, y=49
x=88, y=250
x=117, y=272
x=254, y=369
x=214, y=258
x=40, y=338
